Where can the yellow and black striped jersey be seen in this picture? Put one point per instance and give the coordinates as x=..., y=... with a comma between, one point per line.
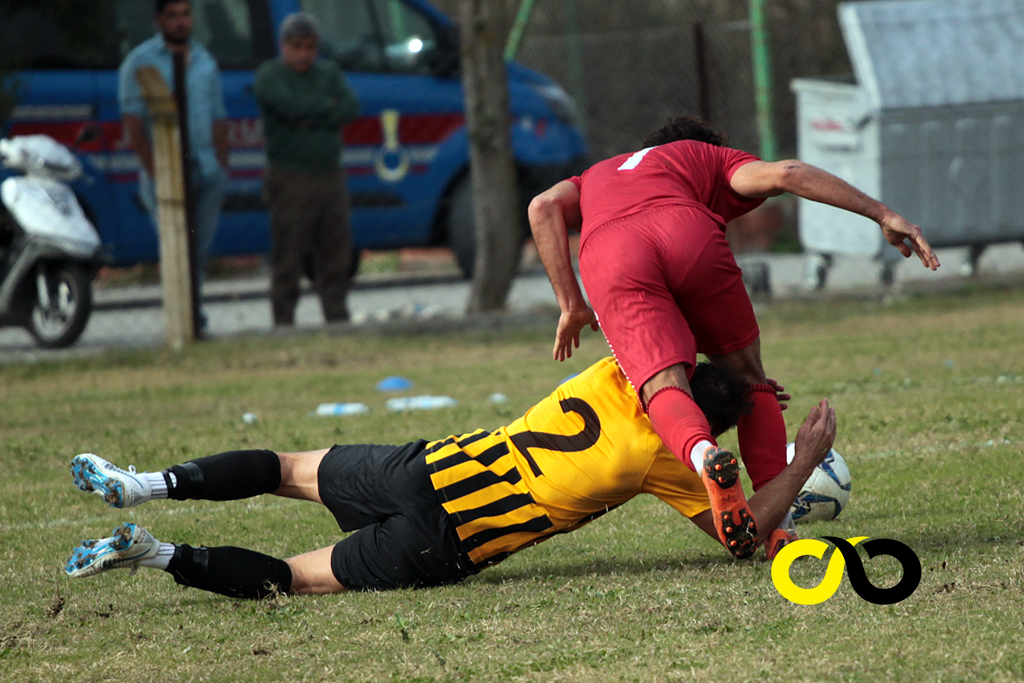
x=583, y=450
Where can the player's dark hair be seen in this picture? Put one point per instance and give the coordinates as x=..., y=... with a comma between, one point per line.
x=685, y=128
x=160, y=4
x=721, y=394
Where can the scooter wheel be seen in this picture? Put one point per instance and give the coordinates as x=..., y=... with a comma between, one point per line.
x=69, y=293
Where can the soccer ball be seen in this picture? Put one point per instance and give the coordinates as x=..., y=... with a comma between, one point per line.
x=826, y=492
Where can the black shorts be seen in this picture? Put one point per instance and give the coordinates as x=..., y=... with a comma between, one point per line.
x=404, y=538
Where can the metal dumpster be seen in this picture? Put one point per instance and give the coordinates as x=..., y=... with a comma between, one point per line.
x=932, y=124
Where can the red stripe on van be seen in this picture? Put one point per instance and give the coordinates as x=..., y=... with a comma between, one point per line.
x=413, y=129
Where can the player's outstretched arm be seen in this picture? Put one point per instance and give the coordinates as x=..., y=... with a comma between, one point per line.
x=552, y=214
x=813, y=441
x=770, y=504
x=768, y=179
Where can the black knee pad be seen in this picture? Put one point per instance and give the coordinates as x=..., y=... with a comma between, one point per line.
x=234, y=572
x=227, y=476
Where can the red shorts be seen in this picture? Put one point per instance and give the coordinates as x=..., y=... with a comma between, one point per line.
x=665, y=286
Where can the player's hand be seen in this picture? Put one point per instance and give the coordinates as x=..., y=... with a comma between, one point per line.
x=780, y=393
x=898, y=231
x=816, y=435
x=570, y=323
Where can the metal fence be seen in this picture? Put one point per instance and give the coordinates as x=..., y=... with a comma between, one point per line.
x=630, y=82
x=632, y=65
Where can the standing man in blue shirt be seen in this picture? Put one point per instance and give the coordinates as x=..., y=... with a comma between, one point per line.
x=208, y=138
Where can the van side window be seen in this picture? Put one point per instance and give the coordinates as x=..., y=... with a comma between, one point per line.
x=225, y=27
x=374, y=35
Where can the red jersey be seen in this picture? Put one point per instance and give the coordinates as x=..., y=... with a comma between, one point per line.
x=685, y=172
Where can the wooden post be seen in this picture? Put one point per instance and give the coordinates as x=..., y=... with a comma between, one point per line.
x=184, y=135
x=172, y=217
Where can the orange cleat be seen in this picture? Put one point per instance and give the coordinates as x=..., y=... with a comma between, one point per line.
x=734, y=522
x=779, y=539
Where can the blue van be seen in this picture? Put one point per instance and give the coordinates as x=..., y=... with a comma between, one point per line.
x=406, y=156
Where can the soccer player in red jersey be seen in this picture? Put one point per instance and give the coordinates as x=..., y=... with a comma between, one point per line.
x=665, y=286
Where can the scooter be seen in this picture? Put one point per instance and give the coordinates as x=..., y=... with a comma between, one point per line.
x=49, y=250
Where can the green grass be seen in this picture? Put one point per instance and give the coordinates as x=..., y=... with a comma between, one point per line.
x=930, y=394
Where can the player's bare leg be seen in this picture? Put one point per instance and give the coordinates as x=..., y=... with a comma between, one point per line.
x=300, y=475
x=685, y=431
x=312, y=573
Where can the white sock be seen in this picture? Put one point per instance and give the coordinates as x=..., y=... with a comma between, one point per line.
x=697, y=454
x=162, y=558
x=787, y=522
x=157, y=483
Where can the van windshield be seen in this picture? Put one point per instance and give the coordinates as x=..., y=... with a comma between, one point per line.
x=375, y=35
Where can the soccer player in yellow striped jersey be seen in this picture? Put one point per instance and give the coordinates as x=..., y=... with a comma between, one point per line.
x=583, y=450
x=433, y=513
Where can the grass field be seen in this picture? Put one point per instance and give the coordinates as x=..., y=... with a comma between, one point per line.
x=930, y=396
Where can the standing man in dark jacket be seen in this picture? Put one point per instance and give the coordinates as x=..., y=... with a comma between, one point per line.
x=305, y=103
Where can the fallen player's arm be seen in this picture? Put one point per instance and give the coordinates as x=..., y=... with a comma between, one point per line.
x=759, y=179
x=770, y=504
x=552, y=214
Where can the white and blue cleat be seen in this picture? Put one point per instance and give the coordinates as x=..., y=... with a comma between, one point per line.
x=129, y=545
x=119, y=488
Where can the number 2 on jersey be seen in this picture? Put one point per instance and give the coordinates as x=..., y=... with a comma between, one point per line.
x=562, y=443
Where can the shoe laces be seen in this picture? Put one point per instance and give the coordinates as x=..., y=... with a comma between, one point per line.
x=131, y=469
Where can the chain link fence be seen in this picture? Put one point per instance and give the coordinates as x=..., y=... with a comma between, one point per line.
x=630, y=66
x=622, y=99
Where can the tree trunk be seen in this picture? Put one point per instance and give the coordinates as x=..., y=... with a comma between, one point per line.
x=495, y=199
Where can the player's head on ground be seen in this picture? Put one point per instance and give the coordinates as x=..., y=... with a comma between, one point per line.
x=685, y=128
x=721, y=394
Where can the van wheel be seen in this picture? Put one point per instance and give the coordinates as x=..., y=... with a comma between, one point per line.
x=61, y=304
x=461, y=227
